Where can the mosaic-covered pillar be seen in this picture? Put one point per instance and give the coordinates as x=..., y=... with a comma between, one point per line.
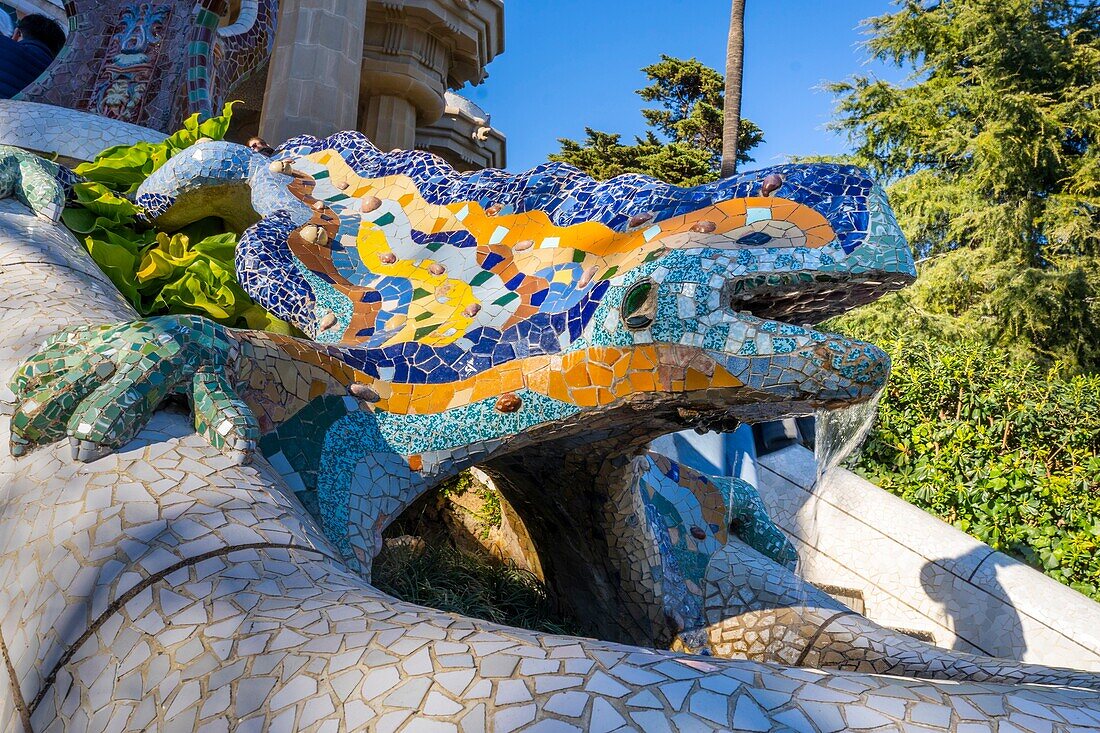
x=155, y=63
x=313, y=79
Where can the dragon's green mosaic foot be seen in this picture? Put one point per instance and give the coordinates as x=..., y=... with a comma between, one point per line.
x=749, y=520
x=36, y=182
x=222, y=417
x=99, y=385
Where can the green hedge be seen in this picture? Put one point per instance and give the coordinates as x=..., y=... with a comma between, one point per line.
x=1000, y=448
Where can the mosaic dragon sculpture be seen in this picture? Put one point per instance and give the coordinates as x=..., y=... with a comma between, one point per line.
x=544, y=326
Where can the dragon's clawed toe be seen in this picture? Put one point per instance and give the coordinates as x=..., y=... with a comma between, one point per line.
x=98, y=386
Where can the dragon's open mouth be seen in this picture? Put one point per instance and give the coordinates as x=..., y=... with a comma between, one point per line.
x=804, y=298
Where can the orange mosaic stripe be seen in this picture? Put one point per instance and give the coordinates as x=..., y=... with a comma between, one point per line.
x=587, y=378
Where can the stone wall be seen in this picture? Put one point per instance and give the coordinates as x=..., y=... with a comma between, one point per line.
x=916, y=572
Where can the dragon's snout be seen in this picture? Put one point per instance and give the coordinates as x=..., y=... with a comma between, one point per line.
x=752, y=306
x=793, y=370
x=867, y=258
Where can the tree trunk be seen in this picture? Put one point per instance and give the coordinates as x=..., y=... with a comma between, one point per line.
x=735, y=64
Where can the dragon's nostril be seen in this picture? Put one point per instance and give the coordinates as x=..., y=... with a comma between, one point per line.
x=639, y=307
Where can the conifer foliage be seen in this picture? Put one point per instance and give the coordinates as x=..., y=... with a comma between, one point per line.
x=992, y=152
x=684, y=143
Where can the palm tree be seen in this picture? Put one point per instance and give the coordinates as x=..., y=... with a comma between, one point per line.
x=735, y=65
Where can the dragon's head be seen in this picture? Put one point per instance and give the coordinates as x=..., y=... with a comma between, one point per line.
x=485, y=307
x=729, y=291
x=547, y=294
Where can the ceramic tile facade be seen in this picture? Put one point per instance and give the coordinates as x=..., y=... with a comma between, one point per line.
x=155, y=63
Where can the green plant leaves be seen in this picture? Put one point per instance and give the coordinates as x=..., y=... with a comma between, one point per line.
x=123, y=168
x=117, y=256
x=174, y=277
x=161, y=273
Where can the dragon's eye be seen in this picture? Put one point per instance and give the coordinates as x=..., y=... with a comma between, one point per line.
x=639, y=306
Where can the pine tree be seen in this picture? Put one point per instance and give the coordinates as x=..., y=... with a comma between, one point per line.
x=992, y=152
x=684, y=144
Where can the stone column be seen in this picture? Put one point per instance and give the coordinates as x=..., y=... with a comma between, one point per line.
x=413, y=51
x=313, y=79
x=389, y=121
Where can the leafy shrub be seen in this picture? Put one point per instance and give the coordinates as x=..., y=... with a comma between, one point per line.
x=490, y=515
x=191, y=271
x=997, y=446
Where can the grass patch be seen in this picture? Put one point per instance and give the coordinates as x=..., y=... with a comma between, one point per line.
x=442, y=577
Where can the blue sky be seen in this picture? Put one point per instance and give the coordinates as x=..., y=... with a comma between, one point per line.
x=574, y=63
